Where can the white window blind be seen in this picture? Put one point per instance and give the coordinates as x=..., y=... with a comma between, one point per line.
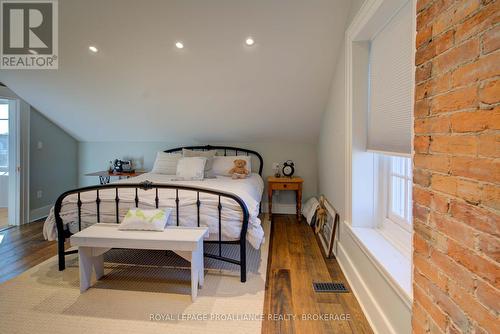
x=391, y=85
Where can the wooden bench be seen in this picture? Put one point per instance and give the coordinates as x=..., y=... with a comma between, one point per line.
x=97, y=239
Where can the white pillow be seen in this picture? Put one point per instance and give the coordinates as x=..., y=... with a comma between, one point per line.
x=191, y=168
x=222, y=165
x=208, y=154
x=166, y=163
x=145, y=220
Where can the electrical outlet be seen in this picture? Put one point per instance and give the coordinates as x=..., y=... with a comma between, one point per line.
x=39, y=194
x=39, y=145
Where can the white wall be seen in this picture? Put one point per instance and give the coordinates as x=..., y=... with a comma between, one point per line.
x=95, y=156
x=385, y=310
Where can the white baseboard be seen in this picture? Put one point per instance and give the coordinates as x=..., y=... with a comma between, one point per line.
x=366, y=286
x=39, y=213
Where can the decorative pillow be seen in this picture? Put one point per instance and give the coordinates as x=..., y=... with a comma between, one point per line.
x=222, y=165
x=207, y=154
x=191, y=168
x=166, y=163
x=145, y=220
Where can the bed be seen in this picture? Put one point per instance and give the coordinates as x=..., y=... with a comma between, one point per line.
x=228, y=207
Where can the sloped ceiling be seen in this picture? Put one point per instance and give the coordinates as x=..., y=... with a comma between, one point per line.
x=139, y=87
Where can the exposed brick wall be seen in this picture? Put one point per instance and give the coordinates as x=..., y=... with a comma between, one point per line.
x=456, y=189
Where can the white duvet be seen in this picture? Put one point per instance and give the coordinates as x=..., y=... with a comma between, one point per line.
x=249, y=190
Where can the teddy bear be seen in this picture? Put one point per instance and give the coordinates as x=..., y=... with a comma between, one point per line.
x=239, y=170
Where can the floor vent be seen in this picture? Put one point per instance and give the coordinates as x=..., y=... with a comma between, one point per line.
x=330, y=287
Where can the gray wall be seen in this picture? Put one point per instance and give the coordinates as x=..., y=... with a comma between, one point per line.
x=54, y=167
x=95, y=156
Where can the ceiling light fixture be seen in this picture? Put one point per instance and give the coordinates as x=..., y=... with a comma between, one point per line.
x=179, y=45
x=93, y=49
x=249, y=41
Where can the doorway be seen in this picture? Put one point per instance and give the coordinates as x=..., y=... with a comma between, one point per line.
x=8, y=166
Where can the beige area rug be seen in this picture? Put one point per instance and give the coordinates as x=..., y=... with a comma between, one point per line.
x=127, y=298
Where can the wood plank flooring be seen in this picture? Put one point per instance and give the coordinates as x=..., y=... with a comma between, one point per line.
x=4, y=217
x=291, y=305
x=296, y=261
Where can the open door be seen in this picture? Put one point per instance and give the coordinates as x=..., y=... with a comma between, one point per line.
x=9, y=176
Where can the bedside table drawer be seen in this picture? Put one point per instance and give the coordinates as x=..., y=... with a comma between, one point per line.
x=285, y=186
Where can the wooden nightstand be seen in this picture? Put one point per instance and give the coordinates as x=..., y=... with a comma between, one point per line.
x=285, y=183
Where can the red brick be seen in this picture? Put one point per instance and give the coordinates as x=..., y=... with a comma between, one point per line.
x=489, y=92
x=455, y=144
x=483, y=68
x=440, y=163
x=479, y=22
x=476, y=168
x=489, y=145
x=457, y=12
x=423, y=36
x=420, y=212
x=422, y=196
x=432, y=125
x=487, y=269
x=422, y=4
x=474, y=309
x=421, y=295
x=454, y=229
x=423, y=72
x=421, y=108
x=475, y=121
x=488, y=296
x=470, y=191
x=491, y=196
x=435, y=239
x=489, y=246
x=456, y=56
x=425, y=267
x=444, y=183
x=420, y=246
x=419, y=320
x=440, y=203
x=453, y=270
x=421, y=144
x=421, y=178
x=434, y=48
x=464, y=98
x=491, y=40
x=479, y=218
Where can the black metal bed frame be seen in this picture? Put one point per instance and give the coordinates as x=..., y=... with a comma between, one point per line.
x=63, y=234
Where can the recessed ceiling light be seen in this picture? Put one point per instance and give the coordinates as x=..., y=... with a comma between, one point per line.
x=93, y=49
x=179, y=45
x=249, y=41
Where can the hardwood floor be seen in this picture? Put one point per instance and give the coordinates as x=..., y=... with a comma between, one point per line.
x=4, y=217
x=296, y=261
x=22, y=248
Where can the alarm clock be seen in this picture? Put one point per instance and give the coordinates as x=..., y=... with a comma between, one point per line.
x=288, y=168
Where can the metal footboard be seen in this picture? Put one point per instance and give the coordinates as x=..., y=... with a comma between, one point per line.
x=63, y=234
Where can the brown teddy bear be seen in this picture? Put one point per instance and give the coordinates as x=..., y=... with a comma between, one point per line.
x=239, y=170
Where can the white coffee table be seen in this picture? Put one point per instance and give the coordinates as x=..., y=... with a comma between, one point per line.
x=97, y=239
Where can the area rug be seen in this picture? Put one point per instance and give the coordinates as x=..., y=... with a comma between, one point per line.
x=141, y=292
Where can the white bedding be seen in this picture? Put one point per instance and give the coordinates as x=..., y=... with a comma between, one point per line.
x=249, y=190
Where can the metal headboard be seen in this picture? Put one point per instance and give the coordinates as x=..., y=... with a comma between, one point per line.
x=225, y=149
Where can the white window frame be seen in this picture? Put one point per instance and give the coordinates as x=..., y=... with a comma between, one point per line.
x=396, y=230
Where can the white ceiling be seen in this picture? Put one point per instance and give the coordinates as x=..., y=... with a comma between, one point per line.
x=139, y=87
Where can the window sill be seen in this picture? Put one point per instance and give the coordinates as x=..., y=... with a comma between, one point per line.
x=392, y=264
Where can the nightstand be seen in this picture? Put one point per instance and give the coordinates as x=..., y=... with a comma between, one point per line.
x=285, y=183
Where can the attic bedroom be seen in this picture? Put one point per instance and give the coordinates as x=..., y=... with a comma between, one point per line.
x=284, y=166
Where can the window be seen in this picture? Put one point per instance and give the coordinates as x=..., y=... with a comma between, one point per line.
x=4, y=137
x=400, y=184
x=394, y=204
